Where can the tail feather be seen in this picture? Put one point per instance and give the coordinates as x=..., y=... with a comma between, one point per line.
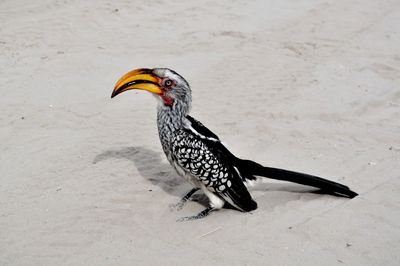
x=249, y=169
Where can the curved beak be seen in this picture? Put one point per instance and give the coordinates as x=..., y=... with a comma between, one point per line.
x=140, y=79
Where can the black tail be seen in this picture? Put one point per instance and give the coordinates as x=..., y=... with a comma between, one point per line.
x=249, y=169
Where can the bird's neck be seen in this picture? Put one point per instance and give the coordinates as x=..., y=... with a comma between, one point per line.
x=169, y=120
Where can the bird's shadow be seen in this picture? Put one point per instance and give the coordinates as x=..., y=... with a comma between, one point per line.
x=149, y=165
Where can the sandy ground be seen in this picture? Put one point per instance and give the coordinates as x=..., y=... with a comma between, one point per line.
x=309, y=85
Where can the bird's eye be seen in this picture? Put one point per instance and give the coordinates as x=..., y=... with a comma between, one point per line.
x=168, y=83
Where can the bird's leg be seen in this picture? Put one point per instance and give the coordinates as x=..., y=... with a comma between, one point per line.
x=200, y=215
x=178, y=206
x=216, y=203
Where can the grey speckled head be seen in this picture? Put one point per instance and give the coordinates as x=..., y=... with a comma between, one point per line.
x=176, y=88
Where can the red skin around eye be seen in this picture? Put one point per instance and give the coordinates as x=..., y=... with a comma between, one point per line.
x=170, y=86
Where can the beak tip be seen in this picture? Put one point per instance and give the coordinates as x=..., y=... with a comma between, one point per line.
x=114, y=93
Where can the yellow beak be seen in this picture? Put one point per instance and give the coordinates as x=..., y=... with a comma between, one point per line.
x=140, y=79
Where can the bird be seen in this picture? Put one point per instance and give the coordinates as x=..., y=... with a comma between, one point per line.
x=199, y=156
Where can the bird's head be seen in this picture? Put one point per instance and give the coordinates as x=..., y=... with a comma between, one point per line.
x=171, y=88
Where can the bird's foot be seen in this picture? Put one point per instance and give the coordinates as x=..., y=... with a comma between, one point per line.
x=200, y=215
x=179, y=205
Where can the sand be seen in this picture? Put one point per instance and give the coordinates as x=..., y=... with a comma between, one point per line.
x=311, y=86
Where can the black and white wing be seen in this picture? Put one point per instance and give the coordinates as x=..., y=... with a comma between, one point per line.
x=199, y=152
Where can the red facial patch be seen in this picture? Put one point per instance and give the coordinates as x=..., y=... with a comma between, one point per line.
x=167, y=100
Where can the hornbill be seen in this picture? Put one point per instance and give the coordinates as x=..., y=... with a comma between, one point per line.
x=198, y=155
